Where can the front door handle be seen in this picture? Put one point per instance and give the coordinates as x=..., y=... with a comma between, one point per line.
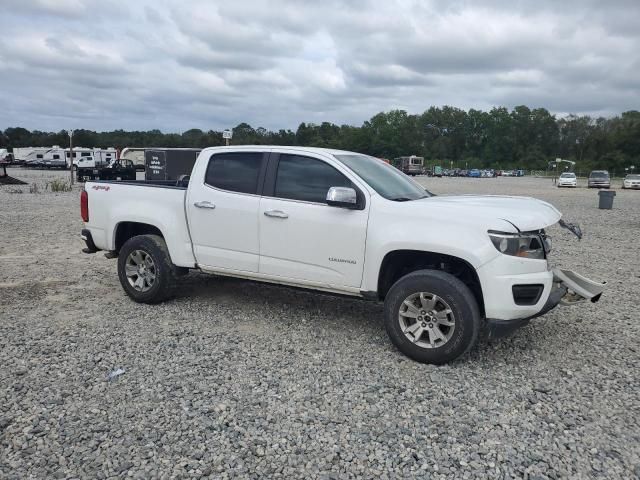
x=204, y=204
x=276, y=214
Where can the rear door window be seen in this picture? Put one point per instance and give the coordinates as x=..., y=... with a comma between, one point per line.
x=235, y=172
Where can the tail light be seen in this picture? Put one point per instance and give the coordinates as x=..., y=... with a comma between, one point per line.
x=84, y=206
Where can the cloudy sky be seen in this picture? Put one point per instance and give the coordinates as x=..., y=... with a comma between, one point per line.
x=209, y=64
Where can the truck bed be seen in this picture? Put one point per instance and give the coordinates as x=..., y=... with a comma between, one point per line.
x=159, y=204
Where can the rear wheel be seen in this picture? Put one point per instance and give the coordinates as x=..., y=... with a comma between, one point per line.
x=431, y=316
x=145, y=269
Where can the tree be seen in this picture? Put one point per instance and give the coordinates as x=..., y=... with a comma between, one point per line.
x=500, y=138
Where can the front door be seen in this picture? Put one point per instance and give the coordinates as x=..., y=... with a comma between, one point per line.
x=223, y=211
x=301, y=237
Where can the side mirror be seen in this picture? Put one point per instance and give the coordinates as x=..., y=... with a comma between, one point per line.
x=343, y=197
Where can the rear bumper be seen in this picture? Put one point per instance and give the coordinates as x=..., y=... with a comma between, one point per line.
x=88, y=240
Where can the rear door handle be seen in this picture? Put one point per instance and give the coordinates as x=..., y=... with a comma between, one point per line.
x=204, y=204
x=276, y=214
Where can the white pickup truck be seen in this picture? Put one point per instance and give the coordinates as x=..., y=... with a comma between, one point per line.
x=342, y=222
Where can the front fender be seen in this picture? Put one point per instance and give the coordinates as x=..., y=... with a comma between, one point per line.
x=453, y=240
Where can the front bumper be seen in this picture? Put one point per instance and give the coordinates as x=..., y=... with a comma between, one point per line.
x=501, y=328
x=568, y=288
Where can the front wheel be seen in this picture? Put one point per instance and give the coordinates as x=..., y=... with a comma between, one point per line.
x=431, y=316
x=145, y=269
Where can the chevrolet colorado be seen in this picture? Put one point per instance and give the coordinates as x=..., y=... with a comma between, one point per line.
x=342, y=222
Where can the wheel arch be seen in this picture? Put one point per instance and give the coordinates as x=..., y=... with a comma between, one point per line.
x=398, y=263
x=125, y=230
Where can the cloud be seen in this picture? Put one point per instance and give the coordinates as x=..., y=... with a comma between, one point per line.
x=195, y=63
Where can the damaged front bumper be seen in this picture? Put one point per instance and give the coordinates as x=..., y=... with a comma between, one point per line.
x=569, y=288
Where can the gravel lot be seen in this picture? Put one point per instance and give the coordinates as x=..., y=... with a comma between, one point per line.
x=234, y=379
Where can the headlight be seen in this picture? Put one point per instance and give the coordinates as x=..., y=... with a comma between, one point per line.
x=525, y=245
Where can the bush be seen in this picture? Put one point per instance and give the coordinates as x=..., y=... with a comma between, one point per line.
x=58, y=185
x=33, y=188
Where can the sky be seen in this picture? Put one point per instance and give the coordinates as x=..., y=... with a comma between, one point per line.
x=176, y=65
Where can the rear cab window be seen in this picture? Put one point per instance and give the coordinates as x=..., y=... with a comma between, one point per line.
x=238, y=172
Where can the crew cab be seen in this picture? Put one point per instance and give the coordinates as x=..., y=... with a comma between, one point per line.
x=342, y=222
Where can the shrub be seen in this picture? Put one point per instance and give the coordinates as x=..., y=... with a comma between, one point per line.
x=33, y=188
x=58, y=185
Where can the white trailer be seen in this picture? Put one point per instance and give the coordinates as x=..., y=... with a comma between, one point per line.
x=22, y=154
x=104, y=156
x=92, y=157
x=135, y=154
x=81, y=156
x=54, y=158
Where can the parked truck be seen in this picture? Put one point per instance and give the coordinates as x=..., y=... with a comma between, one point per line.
x=118, y=169
x=445, y=266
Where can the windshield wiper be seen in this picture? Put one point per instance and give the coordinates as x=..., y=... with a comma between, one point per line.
x=406, y=199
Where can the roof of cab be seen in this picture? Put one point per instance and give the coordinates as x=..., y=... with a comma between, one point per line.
x=330, y=151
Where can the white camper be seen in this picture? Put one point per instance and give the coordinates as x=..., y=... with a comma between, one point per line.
x=34, y=156
x=53, y=158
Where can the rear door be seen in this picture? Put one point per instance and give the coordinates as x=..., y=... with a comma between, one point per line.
x=222, y=209
x=301, y=237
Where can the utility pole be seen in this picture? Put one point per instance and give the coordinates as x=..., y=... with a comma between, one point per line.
x=71, y=156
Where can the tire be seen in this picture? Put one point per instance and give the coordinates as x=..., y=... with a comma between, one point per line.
x=164, y=272
x=451, y=293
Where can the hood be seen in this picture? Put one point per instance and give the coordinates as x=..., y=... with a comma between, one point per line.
x=524, y=213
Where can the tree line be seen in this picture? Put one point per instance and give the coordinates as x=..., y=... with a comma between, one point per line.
x=447, y=136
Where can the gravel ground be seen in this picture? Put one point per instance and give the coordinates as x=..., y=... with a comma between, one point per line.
x=234, y=379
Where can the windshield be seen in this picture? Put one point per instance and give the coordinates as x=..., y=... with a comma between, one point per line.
x=632, y=177
x=388, y=181
x=599, y=174
x=568, y=175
